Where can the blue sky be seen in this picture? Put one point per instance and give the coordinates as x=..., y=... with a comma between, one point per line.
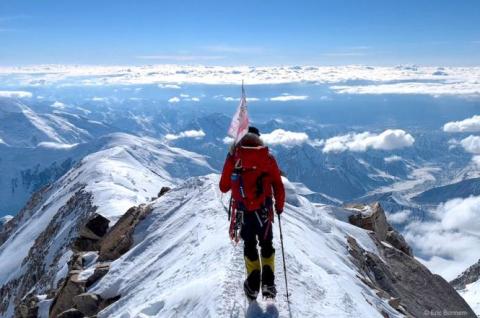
x=336, y=32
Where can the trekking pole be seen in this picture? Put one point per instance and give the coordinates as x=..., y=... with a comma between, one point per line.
x=283, y=256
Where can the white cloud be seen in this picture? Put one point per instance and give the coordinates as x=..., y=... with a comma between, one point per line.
x=392, y=158
x=15, y=94
x=399, y=217
x=288, y=98
x=284, y=137
x=279, y=137
x=58, y=105
x=449, y=241
x=171, y=86
x=476, y=161
x=186, y=134
x=99, y=99
x=174, y=99
x=237, y=99
x=228, y=140
x=388, y=140
x=471, y=144
x=467, y=125
x=434, y=88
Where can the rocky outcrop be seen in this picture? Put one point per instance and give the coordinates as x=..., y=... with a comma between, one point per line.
x=90, y=234
x=406, y=284
x=471, y=275
x=372, y=218
x=71, y=288
x=40, y=267
x=120, y=238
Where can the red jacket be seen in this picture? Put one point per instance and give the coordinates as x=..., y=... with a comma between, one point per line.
x=261, y=157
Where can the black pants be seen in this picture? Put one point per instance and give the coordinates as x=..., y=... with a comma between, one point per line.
x=257, y=229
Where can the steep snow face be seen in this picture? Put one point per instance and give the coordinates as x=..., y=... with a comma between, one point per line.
x=20, y=126
x=127, y=171
x=184, y=264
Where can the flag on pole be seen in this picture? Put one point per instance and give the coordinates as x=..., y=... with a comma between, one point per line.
x=239, y=125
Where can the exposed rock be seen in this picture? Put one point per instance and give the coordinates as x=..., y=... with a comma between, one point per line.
x=40, y=267
x=397, y=240
x=71, y=313
x=407, y=281
x=394, y=303
x=91, y=233
x=163, y=190
x=101, y=270
x=63, y=301
x=372, y=218
x=28, y=308
x=87, y=303
x=120, y=237
x=96, y=227
x=471, y=275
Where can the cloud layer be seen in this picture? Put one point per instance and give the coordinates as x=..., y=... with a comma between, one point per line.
x=388, y=140
x=449, y=242
x=467, y=125
x=391, y=80
x=15, y=94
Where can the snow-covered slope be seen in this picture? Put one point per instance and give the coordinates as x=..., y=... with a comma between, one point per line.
x=20, y=126
x=468, y=285
x=183, y=262
x=126, y=171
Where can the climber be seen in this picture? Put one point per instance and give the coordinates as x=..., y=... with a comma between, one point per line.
x=252, y=174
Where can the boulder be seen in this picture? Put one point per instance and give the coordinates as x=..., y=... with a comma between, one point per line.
x=101, y=270
x=163, y=190
x=371, y=218
x=63, y=301
x=120, y=237
x=91, y=233
x=87, y=303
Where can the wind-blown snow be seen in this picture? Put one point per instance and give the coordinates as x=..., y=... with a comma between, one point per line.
x=183, y=253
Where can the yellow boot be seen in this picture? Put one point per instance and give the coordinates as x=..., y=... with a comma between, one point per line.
x=251, y=285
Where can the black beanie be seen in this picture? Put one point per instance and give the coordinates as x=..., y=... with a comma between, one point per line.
x=254, y=130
